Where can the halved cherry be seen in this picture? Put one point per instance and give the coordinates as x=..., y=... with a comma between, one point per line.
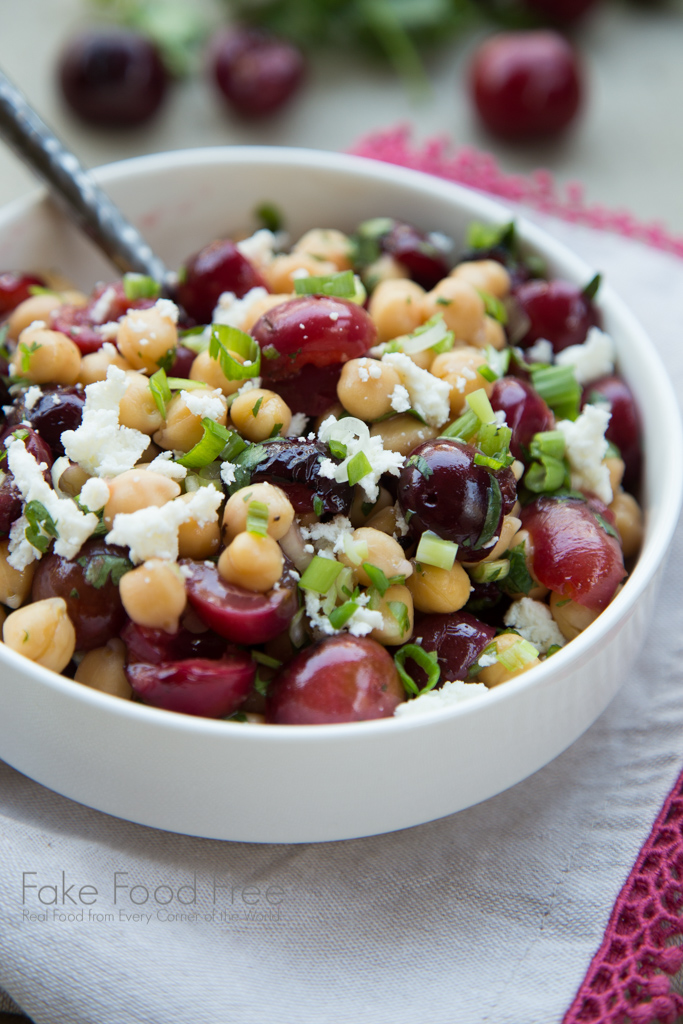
x=197, y=686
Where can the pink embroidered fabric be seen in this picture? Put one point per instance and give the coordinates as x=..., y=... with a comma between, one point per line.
x=479, y=170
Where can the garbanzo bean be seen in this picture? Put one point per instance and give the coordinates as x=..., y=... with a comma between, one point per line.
x=326, y=244
x=70, y=481
x=153, y=595
x=496, y=674
x=136, y=489
x=402, y=433
x=38, y=307
x=486, y=275
x=629, y=522
x=572, y=618
x=460, y=367
x=386, y=268
x=366, y=386
x=510, y=528
x=137, y=408
x=252, y=562
x=198, y=540
x=491, y=333
x=281, y=273
x=103, y=669
x=46, y=357
x=42, y=632
x=15, y=584
x=538, y=591
x=260, y=306
x=94, y=366
x=461, y=305
x=257, y=412
x=383, y=552
x=208, y=370
x=615, y=468
x=396, y=307
x=356, y=514
x=385, y=520
x=439, y=590
x=146, y=336
x=183, y=428
x=391, y=633
x=280, y=510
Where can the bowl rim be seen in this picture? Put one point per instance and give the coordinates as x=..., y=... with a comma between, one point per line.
x=658, y=533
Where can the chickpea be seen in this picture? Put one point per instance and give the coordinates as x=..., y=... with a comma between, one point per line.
x=257, y=412
x=198, y=540
x=486, y=275
x=71, y=479
x=183, y=428
x=571, y=617
x=460, y=368
x=145, y=337
x=423, y=359
x=94, y=366
x=46, y=357
x=279, y=273
x=3, y=616
x=38, y=307
x=629, y=522
x=15, y=584
x=366, y=386
x=402, y=433
x=252, y=562
x=103, y=669
x=72, y=296
x=153, y=595
x=208, y=370
x=439, y=590
x=42, y=632
x=386, y=268
x=615, y=468
x=280, y=510
x=508, y=531
x=384, y=553
x=396, y=307
x=137, y=408
x=326, y=244
x=335, y=410
x=136, y=489
x=496, y=674
x=261, y=306
x=360, y=501
x=391, y=633
x=491, y=333
x=461, y=305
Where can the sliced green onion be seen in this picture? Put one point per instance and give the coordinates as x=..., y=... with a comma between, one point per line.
x=194, y=338
x=478, y=402
x=434, y=333
x=493, y=439
x=494, y=507
x=358, y=467
x=161, y=392
x=257, y=518
x=213, y=441
x=265, y=659
x=377, y=578
x=434, y=550
x=320, y=574
x=591, y=289
x=184, y=384
x=344, y=584
x=558, y=386
x=493, y=307
x=498, y=362
x=337, y=449
x=355, y=550
x=519, y=655
x=226, y=339
x=340, y=616
x=400, y=613
x=341, y=285
x=140, y=286
x=426, y=660
x=464, y=428
x=548, y=442
x=489, y=572
x=270, y=216
x=548, y=474
x=318, y=505
x=553, y=649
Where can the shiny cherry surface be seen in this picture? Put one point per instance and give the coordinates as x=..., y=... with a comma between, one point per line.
x=525, y=412
x=15, y=288
x=294, y=466
x=573, y=554
x=107, y=304
x=156, y=645
x=10, y=498
x=341, y=679
x=112, y=78
x=196, y=686
x=257, y=74
x=57, y=410
x=458, y=640
x=313, y=390
x=526, y=85
x=218, y=267
x=424, y=261
x=623, y=429
x=560, y=12
x=558, y=311
x=239, y=615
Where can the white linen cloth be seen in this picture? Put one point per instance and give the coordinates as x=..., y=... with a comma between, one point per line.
x=492, y=914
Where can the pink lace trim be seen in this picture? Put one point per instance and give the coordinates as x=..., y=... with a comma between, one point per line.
x=479, y=170
x=626, y=982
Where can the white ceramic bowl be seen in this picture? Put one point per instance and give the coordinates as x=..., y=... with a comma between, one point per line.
x=300, y=783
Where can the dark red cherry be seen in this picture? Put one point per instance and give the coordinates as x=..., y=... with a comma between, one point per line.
x=425, y=261
x=573, y=554
x=313, y=390
x=112, y=78
x=256, y=73
x=56, y=410
x=341, y=679
x=197, y=686
x=218, y=267
x=558, y=311
x=458, y=640
x=182, y=363
x=15, y=288
x=623, y=429
x=156, y=645
x=525, y=412
x=82, y=324
x=526, y=85
x=560, y=12
x=294, y=466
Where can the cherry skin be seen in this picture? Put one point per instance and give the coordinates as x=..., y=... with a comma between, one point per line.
x=156, y=645
x=424, y=261
x=15, y=288
x=558, y=311
x=113, y=78
x=256, y=74
x=294, y=466
x=218, y=267
x=526, y=85
x=196, y=686
x=458, y=640
x=560, y=12
x=525, y=412
x=340, y=679
x=623, y=429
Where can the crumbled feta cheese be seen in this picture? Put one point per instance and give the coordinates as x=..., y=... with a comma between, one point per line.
x=32, y=396
x=233, y=311
x=447, y=696
x=73, y=526
x=355, y=434
x=204, y=403
x=298, y=424
x=153, y=532
x=540, y=352
x=363, y=374
x=362, y=622
x=94, y=494
x=108, y=330
x=99, y=312
x=249, y=385
x=100, y=444
x=299, y=273
x=259, y=248
x=592, y=359
x=486, y=660
x=585, y=448
x=228, y=470
x=165, y=465
x=401, y=525
x=167, y=309
x=334, y=315
x=534, y=621
x=429, y=396
x=400, y=399
x=329, y=537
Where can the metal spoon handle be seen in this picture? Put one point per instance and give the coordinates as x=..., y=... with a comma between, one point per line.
x=74, y=187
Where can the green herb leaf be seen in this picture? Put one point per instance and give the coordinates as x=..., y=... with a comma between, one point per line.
x=341, y=285
x=421, y=465
x=26, y=353
x=591, y=289
x=257, y=518
x=99, y=569
x=42, y=527
x=270, y=216
x=493, y=307
x=318, y=505
x=212, y=444
x=518, y=580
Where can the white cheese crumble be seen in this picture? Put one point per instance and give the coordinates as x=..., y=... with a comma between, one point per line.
x=585, y=448
x=73, y=526
x=204, y=403
x=100, y=444
x=165, y=465
x=447, y=696
x=486, y=660
x=32, y=396
x=355, y=434
x=99, y=312
x=153, y=532
x=400, y=399
x=232, y=311
x=259, y=248
x=429, y=396
x=592, y=359
x=297, y=425
x=108, y=330
x=167, y=309
x=535, y=622
x=362, y=622
x=228, y=470
x=540, y=352
x=249, y=385
x=329, y=538
x=94, y=494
